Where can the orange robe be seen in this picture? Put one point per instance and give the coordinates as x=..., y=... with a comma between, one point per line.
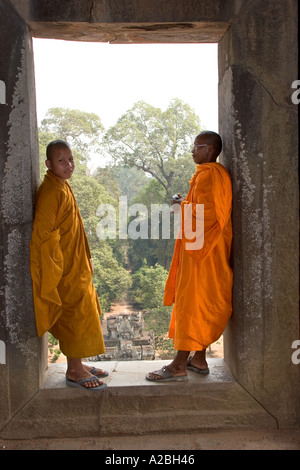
x=200, y=280
x=65, y=300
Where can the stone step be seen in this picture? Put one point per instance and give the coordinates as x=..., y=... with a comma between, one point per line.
x=130, y=405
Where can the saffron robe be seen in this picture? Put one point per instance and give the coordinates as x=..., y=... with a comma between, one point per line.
x=65, y=300
x=200, y=280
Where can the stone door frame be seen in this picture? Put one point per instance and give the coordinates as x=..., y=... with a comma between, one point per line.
x=259, y=126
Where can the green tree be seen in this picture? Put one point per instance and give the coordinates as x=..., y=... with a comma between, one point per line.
x=155, y=141
x=107, y=178
x=130, y=180
x=148, y=285
x=90, y=194
x=111, y=280
x=159, y=144
x=152, y=250
x=82, y=130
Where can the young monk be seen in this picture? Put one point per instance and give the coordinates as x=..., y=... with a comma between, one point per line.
x=200, y=278
x=65, y=300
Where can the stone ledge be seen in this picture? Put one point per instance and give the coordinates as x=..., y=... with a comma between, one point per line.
x=132, y=373
x=132, y=406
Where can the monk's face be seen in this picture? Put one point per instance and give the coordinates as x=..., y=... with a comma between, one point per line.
x=62, y=163
x=201, y=150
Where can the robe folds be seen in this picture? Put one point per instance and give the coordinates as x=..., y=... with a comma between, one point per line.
x=65, y=300
x=200, y=279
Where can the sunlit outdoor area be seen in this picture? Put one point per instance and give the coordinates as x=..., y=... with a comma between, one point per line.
x=130, y=114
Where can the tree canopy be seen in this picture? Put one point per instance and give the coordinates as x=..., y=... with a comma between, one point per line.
x=82, y=130
x=155, y=141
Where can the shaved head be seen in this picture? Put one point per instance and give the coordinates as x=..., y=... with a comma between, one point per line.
x=56, y=145
x=212, y=138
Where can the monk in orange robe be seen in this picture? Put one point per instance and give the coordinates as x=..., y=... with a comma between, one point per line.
x=65, y=300
x=199, y=283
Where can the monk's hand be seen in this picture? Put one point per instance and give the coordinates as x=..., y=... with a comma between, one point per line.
x=177, y=199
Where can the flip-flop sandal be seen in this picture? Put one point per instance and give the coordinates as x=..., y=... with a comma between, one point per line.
x=196, y=369
x=101, y=373
x=165, y=376
x=79, y=383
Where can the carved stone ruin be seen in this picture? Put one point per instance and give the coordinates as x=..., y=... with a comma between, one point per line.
x=125, y=339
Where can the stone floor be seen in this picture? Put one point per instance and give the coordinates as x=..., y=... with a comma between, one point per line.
x=132, y=375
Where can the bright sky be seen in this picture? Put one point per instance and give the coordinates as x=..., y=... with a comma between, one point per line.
x=108, y=79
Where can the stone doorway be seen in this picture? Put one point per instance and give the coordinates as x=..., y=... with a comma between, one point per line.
x=259, y=124
x=86, y=60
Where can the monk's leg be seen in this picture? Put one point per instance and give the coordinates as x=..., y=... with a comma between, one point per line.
x=76, y=371
x=199, y=359
x=179, y=363
x=178, y=367
x=95, y=371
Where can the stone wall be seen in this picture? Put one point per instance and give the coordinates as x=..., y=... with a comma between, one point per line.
x=18, y=182
x=257, y=65
x=259, y=125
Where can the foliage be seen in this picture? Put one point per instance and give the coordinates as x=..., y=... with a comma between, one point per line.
x=130, y=180
x=155, y=141
x=152, y=250
x=89, y=195
x=111, y=280
x=80, y=129
x=107, y=178
x=148, y=285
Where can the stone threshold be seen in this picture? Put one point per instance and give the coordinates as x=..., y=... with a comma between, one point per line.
x=130, y=405
x=132, y=373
